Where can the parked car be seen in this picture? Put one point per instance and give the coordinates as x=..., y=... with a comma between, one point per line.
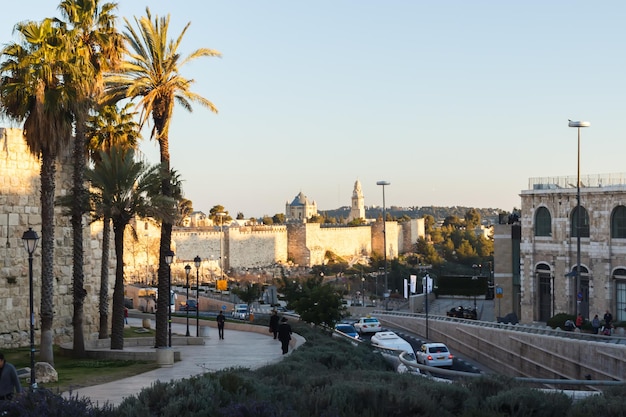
x=435, y=354
x=368, y=325
x=347, y=329
x=189, y=305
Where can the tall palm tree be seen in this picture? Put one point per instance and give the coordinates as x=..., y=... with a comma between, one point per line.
x=151, y=74
x=124, y=188
x=32, y=92
x=93, y=46
x=108, y=128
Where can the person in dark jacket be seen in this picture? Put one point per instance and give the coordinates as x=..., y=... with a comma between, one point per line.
x=9, y=382
x=220, y=324
x=284, y=334
x=274, y=324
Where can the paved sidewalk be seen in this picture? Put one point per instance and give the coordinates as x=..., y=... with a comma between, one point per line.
x=238, y=349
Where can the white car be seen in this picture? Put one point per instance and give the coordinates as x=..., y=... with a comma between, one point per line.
x=435, y=354
x=368, y=325
x=391, y=346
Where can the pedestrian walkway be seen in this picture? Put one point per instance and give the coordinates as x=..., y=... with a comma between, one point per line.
x=238, y=349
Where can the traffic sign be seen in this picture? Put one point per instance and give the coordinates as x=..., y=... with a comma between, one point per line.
x=499, y=292
x=224, y=307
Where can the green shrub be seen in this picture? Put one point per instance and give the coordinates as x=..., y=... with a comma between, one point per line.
x=526, y=402
x=559, y=320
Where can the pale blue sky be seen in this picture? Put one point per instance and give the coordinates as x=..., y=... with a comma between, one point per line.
x=453, y=102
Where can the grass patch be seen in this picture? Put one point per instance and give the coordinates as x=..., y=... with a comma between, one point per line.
x=77, y=373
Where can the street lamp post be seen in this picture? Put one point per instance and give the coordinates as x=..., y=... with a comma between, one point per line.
x=30, y=239
x=386, y=293
x=578, y=125
x=187, y=269
x=221, y=216
x=169, y=258
x=363, y=290
x=197, y=261
x=425, y=286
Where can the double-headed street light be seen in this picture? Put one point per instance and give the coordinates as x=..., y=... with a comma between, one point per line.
x=187, y=269
x=30, y=239
x=169, y=258
x=578, y=125
x=197, y=261
x=386, y=293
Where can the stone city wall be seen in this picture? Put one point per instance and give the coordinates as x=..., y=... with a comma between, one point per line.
x=20, y=209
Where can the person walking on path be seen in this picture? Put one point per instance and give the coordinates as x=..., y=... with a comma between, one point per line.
x=595, y=323
x=284, y=334
x=9, y=382
x=220, y=324
x=274, y=324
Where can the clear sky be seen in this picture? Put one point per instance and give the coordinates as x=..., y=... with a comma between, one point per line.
x=453, y=102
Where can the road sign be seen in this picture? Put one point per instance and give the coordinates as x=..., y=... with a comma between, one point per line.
x=580, y=296
x=499, y=292
x=224, y=307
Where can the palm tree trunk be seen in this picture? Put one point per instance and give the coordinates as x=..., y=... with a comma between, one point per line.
x=78, y=208
x=103, y=332
x=47, y=174
x=163, y=300
x=117, y=321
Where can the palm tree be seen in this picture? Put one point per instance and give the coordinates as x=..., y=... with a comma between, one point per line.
x=108, y=128
x=94, y=46
x=32, y=92
x=152, y=74
x=124, y=188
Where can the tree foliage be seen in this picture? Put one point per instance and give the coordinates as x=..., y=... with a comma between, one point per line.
x=315, y=301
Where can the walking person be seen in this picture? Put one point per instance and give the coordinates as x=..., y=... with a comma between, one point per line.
x=9, y=382
x=284, y=334
x=220, y=324
x=274, y=323
x=595, y=323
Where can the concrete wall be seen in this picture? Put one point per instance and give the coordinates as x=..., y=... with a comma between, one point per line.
x=519, y=351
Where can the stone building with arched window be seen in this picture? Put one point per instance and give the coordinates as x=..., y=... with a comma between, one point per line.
x=549, y=247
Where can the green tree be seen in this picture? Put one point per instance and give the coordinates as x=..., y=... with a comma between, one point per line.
x=429, y=223
x=472, y=218
x=267, y=220
x=315, y=301
x=248, y=293
x=185, y=208
x=106, y=129
x=219, y=219
x=240, y=215
x=32, y=92
x=92, y=46
x=122, y=189
x=152, y=73
x=279, y=218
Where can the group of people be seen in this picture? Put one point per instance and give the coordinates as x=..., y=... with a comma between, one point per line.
x=608, y=324
x=278, y=326
x=281, y=330
x=596, y=324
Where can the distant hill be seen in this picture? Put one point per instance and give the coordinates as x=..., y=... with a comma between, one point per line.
x=488, y=215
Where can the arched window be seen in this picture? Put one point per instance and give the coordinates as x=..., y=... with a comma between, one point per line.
x=583, y=227
x=620, y=294
x=618, y=222
x=543, y=222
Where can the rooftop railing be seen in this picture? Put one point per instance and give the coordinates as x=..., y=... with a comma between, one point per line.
x=586, y=181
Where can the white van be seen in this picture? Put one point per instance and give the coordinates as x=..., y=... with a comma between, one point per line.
x=396, y=344
x=240, y=311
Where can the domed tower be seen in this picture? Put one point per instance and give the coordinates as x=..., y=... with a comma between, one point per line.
x=300, y=209
x=357, y=210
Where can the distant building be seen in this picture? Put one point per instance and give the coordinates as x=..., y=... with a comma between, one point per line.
x=357, y=209
x=549, y=238
x=300, y=209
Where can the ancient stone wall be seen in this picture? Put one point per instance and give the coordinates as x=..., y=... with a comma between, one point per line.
x=20, y=209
